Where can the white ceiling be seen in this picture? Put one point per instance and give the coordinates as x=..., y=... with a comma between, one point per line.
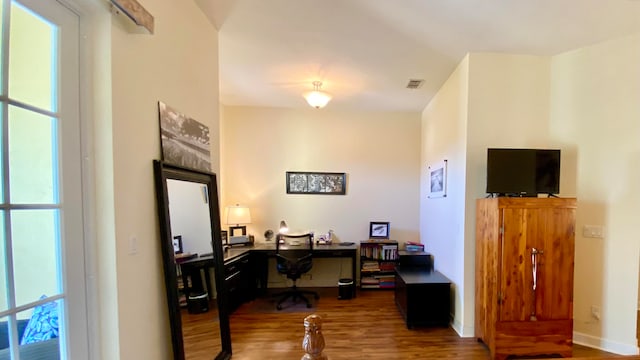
x=365, y=51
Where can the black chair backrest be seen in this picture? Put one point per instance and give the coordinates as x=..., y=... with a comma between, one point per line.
x=294, y=254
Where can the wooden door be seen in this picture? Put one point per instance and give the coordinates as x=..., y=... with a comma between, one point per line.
x=515, y=300
x=548, y=231
x=551, y=232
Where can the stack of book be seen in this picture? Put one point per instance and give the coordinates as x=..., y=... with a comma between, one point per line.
x=369, y=282
x=370, y=266
x=413, y=246
x=387, y=266
x=386, y=281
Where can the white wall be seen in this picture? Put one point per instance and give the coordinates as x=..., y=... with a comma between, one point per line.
x=379, y=152
x=189, y=215
x=444, y=136
x=595, y=108
x=508, y=107
x=176, y=65
x=491, y=100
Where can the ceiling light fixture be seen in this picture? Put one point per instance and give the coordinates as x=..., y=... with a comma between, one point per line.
x=317, y=98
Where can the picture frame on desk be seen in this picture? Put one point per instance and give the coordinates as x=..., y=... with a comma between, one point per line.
x=224, y=236
x=177, y=244
x=379, y=230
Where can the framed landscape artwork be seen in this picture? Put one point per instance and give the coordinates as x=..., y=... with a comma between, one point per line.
x=316, y=183
x=184, y=141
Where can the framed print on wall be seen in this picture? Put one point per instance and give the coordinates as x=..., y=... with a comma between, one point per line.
x=184, y=141
x=438, y=180
x=325, y=183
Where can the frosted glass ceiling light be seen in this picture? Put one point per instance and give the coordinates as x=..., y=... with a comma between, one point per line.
x=317, y=98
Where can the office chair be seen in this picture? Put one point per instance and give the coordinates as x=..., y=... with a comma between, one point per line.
x=294, y=258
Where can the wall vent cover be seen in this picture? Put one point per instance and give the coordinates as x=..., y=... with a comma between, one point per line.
x=414, y=83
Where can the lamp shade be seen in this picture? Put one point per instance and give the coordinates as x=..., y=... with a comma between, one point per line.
x=317, y=98
x=237, y=214
x=283, y=227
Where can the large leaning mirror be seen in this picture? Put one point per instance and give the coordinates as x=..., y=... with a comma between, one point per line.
x=191, y=247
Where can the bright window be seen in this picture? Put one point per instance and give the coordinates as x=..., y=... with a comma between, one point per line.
x=41, y=229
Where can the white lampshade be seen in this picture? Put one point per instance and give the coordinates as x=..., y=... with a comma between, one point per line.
x=317, y=98
x=237, y=214
x=283, y=227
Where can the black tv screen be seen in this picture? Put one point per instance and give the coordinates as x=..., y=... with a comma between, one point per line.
x=523, y=172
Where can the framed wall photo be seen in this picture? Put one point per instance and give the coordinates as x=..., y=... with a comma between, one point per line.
x=437, y=180
x=184, y=141
x=325, y=183
x=378, y=230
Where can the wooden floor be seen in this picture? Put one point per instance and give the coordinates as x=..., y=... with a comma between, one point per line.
x=366, y=327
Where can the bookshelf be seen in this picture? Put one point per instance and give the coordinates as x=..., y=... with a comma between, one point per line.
x=378, y=259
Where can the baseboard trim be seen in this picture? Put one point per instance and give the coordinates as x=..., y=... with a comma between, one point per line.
x=604, y=344
x=467, y=331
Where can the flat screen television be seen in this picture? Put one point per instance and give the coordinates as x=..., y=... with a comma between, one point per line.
x=523, y=172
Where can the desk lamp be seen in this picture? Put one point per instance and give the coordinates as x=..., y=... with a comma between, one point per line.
x=237, y=214
x=283, y=230
x=283, y=227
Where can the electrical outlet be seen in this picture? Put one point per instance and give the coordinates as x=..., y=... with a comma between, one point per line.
x=595, y=312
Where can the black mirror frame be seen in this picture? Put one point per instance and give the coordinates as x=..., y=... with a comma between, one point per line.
x=162, y=172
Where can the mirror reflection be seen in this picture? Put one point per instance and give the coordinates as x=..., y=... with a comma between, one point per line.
x=191, y=239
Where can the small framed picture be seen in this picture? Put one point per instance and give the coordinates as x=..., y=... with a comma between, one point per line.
x=378, y=230
x=437, y=176
x=224, y=237
x=177, y=244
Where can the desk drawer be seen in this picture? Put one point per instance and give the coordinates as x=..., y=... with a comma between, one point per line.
x=236, y=275
x=235, y=266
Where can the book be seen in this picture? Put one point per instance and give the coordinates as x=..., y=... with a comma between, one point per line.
x=413, y=246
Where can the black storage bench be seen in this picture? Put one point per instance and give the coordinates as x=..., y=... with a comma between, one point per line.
x=422, y=295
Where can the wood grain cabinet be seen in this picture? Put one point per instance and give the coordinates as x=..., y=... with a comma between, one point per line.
x=524, y=275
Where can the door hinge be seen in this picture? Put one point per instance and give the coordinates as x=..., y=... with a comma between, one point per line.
x=500, y=298
x=502, y=230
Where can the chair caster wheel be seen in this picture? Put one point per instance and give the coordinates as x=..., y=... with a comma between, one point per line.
x=279, y=307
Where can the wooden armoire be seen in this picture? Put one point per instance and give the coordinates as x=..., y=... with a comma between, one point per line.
x=524, y=275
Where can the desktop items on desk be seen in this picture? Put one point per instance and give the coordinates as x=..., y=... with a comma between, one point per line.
x=238, y=215
x=325, y=239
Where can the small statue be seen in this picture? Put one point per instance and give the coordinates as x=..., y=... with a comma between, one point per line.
x=313, y=342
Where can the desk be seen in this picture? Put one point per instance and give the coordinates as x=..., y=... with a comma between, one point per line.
x=247, y=267
x=191, y=268
x=261, y=252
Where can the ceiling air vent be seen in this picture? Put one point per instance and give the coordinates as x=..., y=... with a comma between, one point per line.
x=414, y=84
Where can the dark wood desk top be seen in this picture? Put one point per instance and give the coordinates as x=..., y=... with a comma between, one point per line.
x=270, y=247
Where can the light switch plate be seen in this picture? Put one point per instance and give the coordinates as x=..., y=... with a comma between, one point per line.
x=592, y=231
